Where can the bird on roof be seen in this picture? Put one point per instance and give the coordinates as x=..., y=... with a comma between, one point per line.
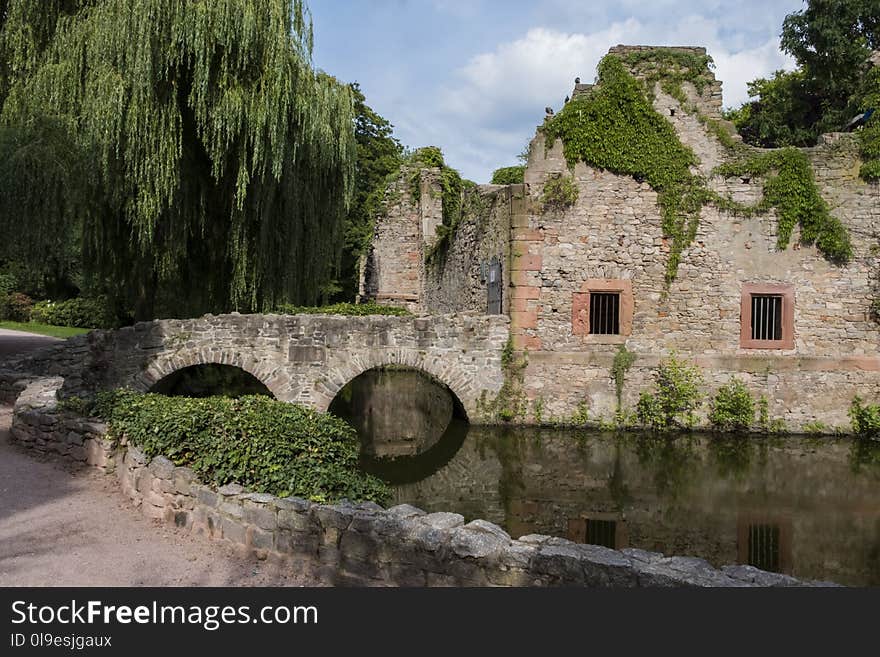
x=859, y=120
x=577, y=80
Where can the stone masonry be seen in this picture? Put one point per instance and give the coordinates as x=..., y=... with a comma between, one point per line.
x=611, y=240
x=305, y=359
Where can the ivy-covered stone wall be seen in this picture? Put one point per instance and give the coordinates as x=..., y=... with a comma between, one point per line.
x=687, y=217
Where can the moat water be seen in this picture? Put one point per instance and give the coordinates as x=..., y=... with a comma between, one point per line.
x=806, y=506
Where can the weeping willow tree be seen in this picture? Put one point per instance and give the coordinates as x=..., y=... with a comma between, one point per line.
x=189, y=144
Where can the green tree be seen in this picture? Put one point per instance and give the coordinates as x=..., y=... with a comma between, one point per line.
x=831, y=41
x=208, y=165
x=379, y=155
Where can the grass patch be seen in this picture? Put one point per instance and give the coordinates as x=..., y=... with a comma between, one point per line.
x=44, y=329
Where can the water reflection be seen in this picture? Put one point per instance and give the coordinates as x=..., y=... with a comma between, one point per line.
x=798, y=505
x=791, y=504
x=396, y=412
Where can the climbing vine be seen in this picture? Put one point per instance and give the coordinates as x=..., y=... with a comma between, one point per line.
x=623, y=360
x=510, y=402
x=560, y=192
x=617, y=128
x=670, y=68
x=452, y=188
x=791, y=190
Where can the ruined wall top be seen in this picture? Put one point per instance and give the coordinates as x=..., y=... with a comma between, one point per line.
x=621, y=49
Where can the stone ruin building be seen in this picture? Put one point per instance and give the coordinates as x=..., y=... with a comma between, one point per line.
x=579, y=282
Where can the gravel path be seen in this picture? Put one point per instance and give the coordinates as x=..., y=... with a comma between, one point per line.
x=62, y=525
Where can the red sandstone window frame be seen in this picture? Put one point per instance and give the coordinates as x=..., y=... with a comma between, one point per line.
x=766, y=289
x=580, y=309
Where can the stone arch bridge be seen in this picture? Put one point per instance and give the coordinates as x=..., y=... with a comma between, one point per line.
x=305, y=359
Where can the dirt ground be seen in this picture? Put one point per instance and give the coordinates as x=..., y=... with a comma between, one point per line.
x=66, y=526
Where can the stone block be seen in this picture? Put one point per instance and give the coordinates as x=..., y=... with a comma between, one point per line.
x=442, y=520
x=357, y=546
x=261, y=515
x=333, y=517
x=161, y=467
x=307, y=354
x=234, y=531
x=260, y=539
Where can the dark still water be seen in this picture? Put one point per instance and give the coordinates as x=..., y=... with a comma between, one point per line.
x=798, y=505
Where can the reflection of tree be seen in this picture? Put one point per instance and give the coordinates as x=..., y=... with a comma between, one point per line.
x=865, y=453
x=673, y=461
x=732, y=455
x=617, y=483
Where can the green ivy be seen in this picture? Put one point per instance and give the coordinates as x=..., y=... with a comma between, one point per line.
x=791, y=190
x=623, y=360
x=733, y=408
x=670, y=68
x=265, y=445
x=353, y=309
x=452, y=188
x=509, y=176
x=676, y=397
x=616, y=128
x=510, y=403
x=560, y=192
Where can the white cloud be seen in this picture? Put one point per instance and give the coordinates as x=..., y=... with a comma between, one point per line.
x=490, y=106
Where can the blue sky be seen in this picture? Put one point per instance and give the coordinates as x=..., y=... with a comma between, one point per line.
x=474, y=76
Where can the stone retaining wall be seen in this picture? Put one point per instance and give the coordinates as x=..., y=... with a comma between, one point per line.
x=355, y=544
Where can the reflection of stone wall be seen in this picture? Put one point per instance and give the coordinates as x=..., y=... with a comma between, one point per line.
x=395, y=412
x=686, y=497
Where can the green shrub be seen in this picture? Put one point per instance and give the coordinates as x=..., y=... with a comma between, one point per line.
x=265, y=445
x=509, y=176
x=865, y=419
x=815, y=427
x=675, y=399
x=733, y=408
x=16, y=307
x=80, y=312
x=356, y=309
x=560, y=192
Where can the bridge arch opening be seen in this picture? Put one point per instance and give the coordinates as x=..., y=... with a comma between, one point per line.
x=209, y=380
x=399, y=412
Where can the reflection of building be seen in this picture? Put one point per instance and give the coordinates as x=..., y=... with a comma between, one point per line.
x=764, y=542
x=813, y=520
x=578, y=281
x=605, y=529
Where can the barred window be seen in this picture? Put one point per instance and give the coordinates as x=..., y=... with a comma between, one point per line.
x=766, y=317
x=605, y=313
